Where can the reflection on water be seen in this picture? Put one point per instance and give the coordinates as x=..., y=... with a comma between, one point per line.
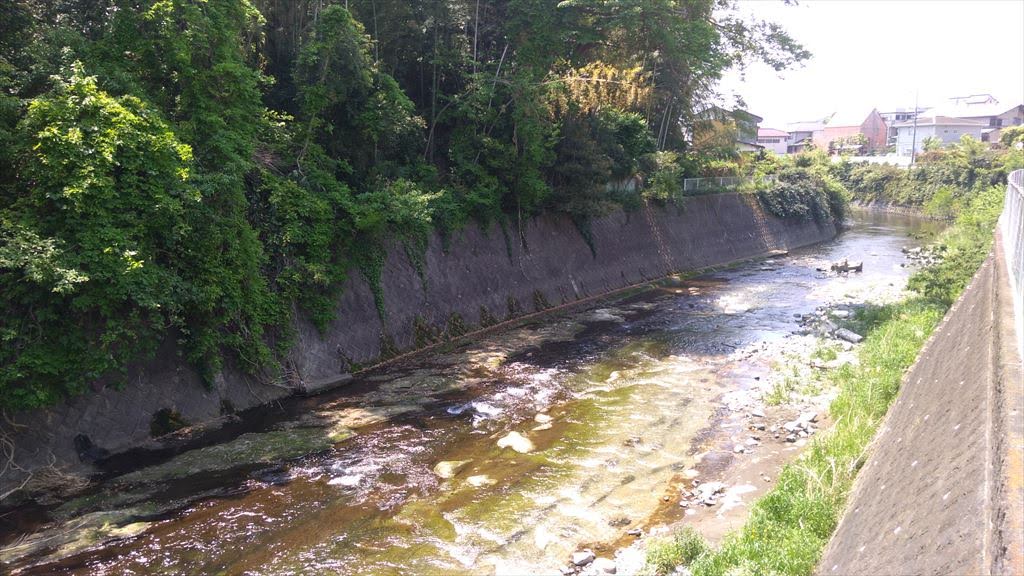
x=609, y=403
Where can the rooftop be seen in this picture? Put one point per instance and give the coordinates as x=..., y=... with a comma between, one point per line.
x=974, y=110
x=849, y=117
x=806, y=126
x=941, y=121
x=771, y=132
x=974, y=99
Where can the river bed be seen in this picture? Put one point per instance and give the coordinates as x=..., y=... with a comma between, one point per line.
x=502, y=456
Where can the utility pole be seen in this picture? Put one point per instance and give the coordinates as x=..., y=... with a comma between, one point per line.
x=913, y=138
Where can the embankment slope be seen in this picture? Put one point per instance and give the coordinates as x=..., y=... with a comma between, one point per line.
x=481, y=276
x=942, y=489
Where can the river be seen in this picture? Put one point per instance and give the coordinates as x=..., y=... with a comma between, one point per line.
x=504, y=455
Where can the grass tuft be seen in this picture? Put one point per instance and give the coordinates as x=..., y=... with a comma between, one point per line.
x=681, y=549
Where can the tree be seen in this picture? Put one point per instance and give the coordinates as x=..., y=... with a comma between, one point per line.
x=91, y=252
x=1011, y=136
x=931, y=144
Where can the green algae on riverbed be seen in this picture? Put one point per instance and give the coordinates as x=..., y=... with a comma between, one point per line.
x=82, y=533
x=247, y=449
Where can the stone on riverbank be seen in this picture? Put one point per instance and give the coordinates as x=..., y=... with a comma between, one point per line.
x=481, y=480
x=848, y=335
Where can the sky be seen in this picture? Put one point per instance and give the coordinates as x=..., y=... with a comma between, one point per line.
x=880, y=54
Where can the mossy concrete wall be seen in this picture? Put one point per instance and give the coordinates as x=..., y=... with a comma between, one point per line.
x=480, y=275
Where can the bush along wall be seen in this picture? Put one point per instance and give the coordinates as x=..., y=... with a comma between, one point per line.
x=206, y=170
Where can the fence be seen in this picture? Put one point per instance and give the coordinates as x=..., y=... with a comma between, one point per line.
x=706, y=184
x=1012, y=222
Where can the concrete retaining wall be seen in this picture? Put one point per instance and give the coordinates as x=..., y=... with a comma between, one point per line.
x=943, y=489
x=548, y=260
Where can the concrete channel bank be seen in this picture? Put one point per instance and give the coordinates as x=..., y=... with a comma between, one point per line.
x=482, y=276
x=942, y=491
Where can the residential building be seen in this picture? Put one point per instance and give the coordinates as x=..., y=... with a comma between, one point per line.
x=775, y=140
x=735, y=129
x=947, y=129
x=746, y=130
x=845, y=125
x=897, y=116
x=984, y=108
x=801, y=134
x=1012, y=117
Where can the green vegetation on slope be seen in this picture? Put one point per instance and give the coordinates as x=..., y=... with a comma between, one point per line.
x=943, y=180
x=789, y=527
x=199, y=170
x=800, y=186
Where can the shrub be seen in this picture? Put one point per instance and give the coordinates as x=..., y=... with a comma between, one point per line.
x=685, y=546
x=665, y=181
x=967, y=244
x=90, y=255
x=804, y=194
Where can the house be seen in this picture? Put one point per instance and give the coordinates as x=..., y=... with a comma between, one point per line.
x=896, y=116
x=845, y=126
x=775, y=140
x=994, y=116
x=911, y=135
x=802, y=134
x=984, y=108
x=719, y=128
x=746, y=130
x=1012, y=117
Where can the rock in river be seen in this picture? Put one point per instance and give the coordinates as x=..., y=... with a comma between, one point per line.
x=480, y=480
x=85, y=532
x=583, y=557
x=517, y=442
x=246, y=450
x=448, y=468
x=604, y=566
x=848, y=335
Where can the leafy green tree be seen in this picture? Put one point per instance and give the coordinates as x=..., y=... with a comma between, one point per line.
x=91, y=252
x=931, y=144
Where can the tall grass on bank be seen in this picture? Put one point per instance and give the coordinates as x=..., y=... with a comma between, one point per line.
x=790, y=525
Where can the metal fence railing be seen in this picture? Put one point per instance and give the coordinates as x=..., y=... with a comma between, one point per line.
x=1012, y=222
x=703, y=184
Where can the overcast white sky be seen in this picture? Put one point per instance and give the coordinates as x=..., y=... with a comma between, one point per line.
x=877, y=53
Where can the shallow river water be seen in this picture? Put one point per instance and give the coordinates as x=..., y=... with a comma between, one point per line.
x=504, y=455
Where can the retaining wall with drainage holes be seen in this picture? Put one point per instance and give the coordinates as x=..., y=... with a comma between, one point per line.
x=481, y=276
